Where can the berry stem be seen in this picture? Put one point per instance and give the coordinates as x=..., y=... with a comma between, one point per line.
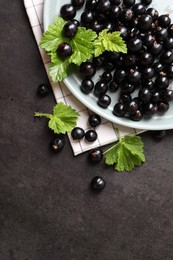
x=42, y=114
x=118, y=134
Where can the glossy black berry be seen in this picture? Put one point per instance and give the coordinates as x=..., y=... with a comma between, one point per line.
x=104, y=101
x=87, y=86
x=91, y=4
x=113, y=86
x=138, y=9
x=167, y=95
x=145, y=22
x=77, y=133
x=120, y=75
x=149, y=109
x=153, y=13
x=100, y=88
x=144, y=94
x=57, y=143
x=94, y=120
x=95, y=155
x=68, y=11
x=87, y=17
x=148, y=39
x=64, y=50
x=164, y=20
x=98, y=183
x=106, y=76
x=77, y=3
x=134, y=76
x=168, y=43
x=155, y=48
x=148, y=83
x=132, y=107
x=161, y=34
x=87, y=69
x=119, y=109
x=127, y=87
x=115, y=12
x=126, y=15
x=129, y=60
x=162, y=82
x=148, y=73
x=122, y=29
x=158, y=67
x=104, y=6
x=146, y=2
x=163, y=106
x=125, y=99
x=70, y=29
x=167, y=56
x=155, y=96
x=137, y=116
x=91, y=135
x=146, y=58
x=134, y=44
x=43, y=89
x=128, y=3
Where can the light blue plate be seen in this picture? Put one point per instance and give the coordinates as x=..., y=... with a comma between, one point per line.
x=158, y=122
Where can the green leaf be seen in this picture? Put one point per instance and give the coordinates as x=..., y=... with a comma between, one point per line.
x=58, y=68
x=62, y=120
x=126, y=154
x=53, y=36
x=82, y=45
x=107, y=41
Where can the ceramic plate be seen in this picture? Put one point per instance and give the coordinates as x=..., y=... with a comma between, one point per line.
x=157, y=122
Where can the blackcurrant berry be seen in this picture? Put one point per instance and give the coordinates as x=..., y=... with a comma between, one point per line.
x=57, y=143
x=95, y=155
x=100, y=88
x=91, y=135
x=70, y=29
x=64, y=50
x=98, y=183
x=77, y=133
x=87, y=86
x=77, y=3
x=119, y=110
x=43, y=89
x=87, y=69
x=94, y=120
x=104, y=101
x=164, y=20
x=68, y=11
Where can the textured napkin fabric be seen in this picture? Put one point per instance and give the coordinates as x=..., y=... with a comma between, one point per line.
x=107, y=131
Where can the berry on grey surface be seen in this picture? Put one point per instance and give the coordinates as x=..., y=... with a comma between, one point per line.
x=57, y=143
x=98, y=183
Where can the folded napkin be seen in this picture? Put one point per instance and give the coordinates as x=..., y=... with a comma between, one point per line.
x=107, y=131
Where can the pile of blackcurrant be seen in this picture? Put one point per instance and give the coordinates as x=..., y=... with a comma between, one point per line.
x=141, y=77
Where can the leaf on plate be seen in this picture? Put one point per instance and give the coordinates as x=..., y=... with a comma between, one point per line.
x=107, y=41
x=53, y=36
x=82, y=45
x=58, y=68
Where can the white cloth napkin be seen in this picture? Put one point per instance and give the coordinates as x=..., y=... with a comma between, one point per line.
x=107, y=132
